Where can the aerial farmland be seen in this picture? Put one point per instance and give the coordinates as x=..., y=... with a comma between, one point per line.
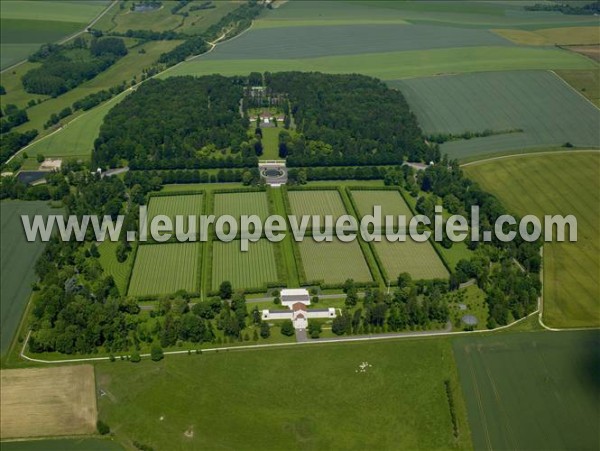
x=286, y=331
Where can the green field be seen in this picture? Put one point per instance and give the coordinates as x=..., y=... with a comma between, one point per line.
x=418, y=259
x=252, y=269
x=25, y=25
x=307, y=42
x=391, y=203
x=534, y=390
x=333, y=262
x=238, y=204
x=17, y=258
x=557, y=183
x=270, y=141
x=397, y=65
x=120, y=271
x=402, y=398
x=548, y=111
x=171, y=206
x=165, y=268
x=76, y=139
x=316, y=202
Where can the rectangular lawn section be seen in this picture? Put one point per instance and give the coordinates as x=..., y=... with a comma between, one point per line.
x=252, y=269
x=391, y=203
x=316, y=202
x=560, y=183
x=547, y=110
x=536, y=390
x=238, y=204
x=165, y=268
x=171, y=206
x=333, y=262
x=399, y=402
x=418, y=259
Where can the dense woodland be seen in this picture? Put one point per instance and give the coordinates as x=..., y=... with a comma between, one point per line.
x=181, y=122
x=348, y=120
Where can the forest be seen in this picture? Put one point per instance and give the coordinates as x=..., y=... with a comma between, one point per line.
x=349, y=120
x=182, y=122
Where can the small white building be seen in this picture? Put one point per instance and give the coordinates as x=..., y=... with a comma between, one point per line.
x=299, y=314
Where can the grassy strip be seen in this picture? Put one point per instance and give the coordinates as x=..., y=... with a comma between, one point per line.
x=292, y=261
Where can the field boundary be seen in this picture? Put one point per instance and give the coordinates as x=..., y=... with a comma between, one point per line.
x=527, y=154
x=573, y=88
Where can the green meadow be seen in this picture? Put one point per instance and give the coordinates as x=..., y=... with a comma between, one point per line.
x=309, y=397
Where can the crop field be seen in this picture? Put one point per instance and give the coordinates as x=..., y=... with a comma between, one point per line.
x=404, y=385
x=563, y=184
x=396, y=65
x=548, y=111
x=63, y=444
x=120, y=271
x=418, y=259
x=165, y=269
x=555, y=375
x=333, y=262
x=238, y=204
x=317, y=202
x=41, y=402
x=171, y=206
x=554, y=36
x=391, y=203
x=587, y=82
x=17, y=257
x=25, y=25
x=274, y=43
x=252, y=269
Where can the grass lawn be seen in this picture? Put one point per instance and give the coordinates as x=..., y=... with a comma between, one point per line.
x=111, y=266
x=539, y=103
x=318, y=387
x=536, y=390
x=238, y=204
x=418, y=259
x=17, y=259
x=333, y=262
x=171, y=206
x=165, y=269
x=317, y=202
x=557, y=183
x=391, y=203
x=252, y=269
x=270, y=141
